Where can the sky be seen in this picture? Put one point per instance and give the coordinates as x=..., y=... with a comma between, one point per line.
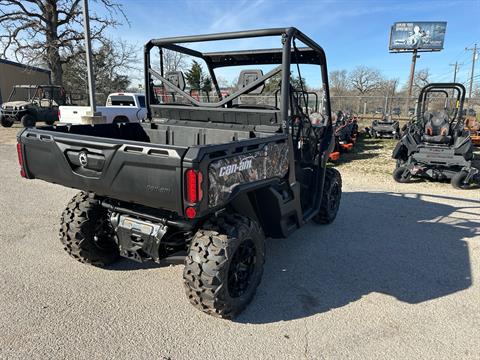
x=351, y=32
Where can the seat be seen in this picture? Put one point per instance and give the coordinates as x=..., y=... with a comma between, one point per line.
x=436, y=128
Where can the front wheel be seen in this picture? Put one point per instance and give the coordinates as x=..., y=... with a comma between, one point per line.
x=86, y=232
x=5, y=122
x=459, y=181
x=224, y=265
x=27, y=120
x=402, y=174
x=332, y=194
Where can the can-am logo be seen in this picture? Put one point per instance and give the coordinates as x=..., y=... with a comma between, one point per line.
x=83, y=158
x=243, y=164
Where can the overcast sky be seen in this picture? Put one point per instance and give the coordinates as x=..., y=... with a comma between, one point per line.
x=351, y=32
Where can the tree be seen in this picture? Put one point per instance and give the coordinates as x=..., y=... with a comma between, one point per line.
x=173, y=61
x=50, y=32
x=196, y=79
x=420, y=79
x=298, y=83
x=365, y=80
x=111, y=61
x=339, y=83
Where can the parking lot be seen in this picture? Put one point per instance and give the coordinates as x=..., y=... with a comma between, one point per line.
x=395, y=276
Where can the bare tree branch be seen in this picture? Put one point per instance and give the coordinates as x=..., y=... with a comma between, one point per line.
x=50, y=32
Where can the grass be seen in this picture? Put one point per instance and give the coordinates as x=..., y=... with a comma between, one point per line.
x=369, y=156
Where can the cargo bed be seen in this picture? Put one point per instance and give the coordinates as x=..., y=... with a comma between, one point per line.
x=139, y=163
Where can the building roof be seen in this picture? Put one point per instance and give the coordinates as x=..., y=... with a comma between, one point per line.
x=27, y=67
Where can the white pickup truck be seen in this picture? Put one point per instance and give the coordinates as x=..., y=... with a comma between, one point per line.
x=120, y=107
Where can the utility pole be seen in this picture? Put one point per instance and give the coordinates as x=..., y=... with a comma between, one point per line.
x=88, y=51
x=412, y=75
x=455, y=71
x=474, y=57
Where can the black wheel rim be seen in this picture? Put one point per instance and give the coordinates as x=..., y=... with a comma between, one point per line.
x=241, y=269
x=103, y=235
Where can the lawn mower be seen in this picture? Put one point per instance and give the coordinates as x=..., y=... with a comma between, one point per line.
x=435, y=144
x=385, y=127
x=346, y=130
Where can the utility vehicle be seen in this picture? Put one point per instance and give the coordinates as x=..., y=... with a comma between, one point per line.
x=199, y=182
x=435, y=143
x=28, y=104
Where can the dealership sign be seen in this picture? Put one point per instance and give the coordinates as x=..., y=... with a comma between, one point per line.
x=417, y=36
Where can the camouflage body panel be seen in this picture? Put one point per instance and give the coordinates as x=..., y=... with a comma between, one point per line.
x=226, y=174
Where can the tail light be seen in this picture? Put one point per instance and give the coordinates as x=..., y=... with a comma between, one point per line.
x=20, y=160
x=193, y=190
x=59, y=115
x=193, y=181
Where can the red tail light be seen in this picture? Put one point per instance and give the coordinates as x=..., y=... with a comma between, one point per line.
x=59, y=114
x=193, y=182
x=20, y=160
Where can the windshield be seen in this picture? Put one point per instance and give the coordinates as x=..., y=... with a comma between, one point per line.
x=22, y=93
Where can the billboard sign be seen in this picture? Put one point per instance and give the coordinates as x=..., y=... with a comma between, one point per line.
x=417, y=35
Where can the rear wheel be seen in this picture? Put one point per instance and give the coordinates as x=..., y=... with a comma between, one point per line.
x=86, y=232
x=402, y=174
x=332, y=194
x=5, y=122
x=459, y=181
x=27, y=120
x=120, y=120
x=224, y=265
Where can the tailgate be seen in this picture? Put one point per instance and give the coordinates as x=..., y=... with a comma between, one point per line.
x=139, y=172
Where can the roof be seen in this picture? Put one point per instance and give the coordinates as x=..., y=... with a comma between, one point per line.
x=263, y=57
x=126, y=94
x=23, y=66
x=312, y=54
x=35, y=86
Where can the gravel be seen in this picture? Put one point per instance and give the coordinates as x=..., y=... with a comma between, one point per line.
x=395, y=276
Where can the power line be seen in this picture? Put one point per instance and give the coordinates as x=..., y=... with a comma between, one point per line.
x=456, y=68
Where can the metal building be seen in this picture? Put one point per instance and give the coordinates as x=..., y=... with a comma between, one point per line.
x=13, y=73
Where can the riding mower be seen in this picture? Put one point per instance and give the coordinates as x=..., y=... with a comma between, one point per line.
x=346, y=133
x=385, y=127
x=435, y=144
x=473, y=126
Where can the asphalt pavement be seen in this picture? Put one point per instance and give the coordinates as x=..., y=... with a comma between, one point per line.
x=396, y=276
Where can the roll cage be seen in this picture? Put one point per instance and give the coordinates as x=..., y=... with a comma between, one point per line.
x=458, y=93
x=283, y=57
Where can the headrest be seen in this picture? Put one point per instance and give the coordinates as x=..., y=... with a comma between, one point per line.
x=246, y=77
x=176, y=78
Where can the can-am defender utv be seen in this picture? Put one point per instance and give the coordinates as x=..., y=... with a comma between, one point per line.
x=435, y=144
x=203, y=182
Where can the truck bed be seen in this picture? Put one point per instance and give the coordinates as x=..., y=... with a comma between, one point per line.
x=141, y=163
